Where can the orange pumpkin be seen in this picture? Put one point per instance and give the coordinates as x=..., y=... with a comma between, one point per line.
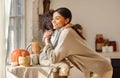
x=18, y=52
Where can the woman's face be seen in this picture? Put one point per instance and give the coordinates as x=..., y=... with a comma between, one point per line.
x=58, y=21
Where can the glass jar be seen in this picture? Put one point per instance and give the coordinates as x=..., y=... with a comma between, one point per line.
x=113, y=43
x=99, y=42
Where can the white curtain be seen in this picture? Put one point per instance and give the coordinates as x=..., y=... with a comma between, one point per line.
x=4, y=22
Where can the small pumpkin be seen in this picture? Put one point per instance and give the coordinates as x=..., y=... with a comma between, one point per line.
x=24, y=60
x=16, y=53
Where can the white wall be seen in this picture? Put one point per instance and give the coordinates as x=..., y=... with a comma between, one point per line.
x=28, y=21
x=96, y=16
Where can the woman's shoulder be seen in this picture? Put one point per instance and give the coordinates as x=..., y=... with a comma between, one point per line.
x=65, y=34
x=67, y=31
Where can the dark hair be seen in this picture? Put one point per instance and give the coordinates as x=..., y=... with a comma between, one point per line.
x=46, y=20
x=65, y=12
x=78, y=27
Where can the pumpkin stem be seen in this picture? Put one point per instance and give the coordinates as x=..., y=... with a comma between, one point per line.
x=23, y=54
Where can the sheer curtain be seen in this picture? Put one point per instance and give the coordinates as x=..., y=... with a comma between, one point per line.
x=4, y=21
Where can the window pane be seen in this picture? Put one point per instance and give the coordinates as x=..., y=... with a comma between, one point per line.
x=11, y=36
x=19, y=7
x=11, y=8
x=10, y=45
x=19, y=24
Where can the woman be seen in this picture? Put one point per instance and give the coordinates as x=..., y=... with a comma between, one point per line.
x=63, y=66
x=70, y=45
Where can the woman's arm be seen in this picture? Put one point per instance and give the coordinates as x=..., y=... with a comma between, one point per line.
x=60, y=52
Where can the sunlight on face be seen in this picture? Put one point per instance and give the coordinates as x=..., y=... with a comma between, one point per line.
x=58, y=20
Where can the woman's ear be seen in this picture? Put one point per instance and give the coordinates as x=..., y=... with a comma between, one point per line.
x=67, y=20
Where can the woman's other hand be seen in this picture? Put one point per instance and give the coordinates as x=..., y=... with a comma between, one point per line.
x=47, y=36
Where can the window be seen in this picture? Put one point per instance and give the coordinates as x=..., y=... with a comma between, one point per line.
x=16, y=28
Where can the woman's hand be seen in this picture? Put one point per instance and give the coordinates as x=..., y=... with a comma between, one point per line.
x=47, y=36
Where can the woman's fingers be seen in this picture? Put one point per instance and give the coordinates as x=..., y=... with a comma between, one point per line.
x=47, y=35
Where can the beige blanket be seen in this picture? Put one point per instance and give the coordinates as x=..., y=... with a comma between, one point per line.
x=31, y=72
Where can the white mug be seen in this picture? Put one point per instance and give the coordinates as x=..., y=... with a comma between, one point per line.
x=34, y=59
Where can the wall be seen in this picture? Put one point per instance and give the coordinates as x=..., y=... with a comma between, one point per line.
x=96, y=16
x=28, y=21
x=32, y=20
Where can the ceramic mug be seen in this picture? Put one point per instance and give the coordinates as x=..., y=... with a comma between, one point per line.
x=34, y=59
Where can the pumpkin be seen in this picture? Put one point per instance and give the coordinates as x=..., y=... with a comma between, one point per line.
x=16, y=53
